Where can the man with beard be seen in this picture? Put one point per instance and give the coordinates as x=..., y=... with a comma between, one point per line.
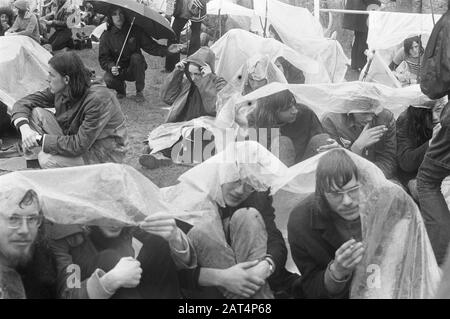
x=324, y=230
x=27, y=266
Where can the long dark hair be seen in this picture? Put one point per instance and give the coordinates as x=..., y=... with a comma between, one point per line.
x=408, y=43
x=266, y=112
x=109, y=20
x=420, y=124
x=70, y=64
x=9, y=13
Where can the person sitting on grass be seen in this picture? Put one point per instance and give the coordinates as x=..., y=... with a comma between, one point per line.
x=88, y=125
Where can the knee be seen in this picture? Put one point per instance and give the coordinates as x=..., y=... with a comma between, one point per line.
x=46, y=160
x=37, y=114
x=248, y=219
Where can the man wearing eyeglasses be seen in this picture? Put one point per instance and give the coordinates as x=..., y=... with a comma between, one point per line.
x=26, y=265
x=324, y=230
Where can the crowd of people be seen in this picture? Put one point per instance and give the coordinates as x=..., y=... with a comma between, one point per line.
x=238, y=251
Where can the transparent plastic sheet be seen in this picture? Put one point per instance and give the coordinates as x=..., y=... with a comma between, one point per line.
x=24, y=68
x=199, y=189
x=236, y=46
x=399, y=261
x=310, y=41
x=338, y=97
x=378, y=72
x=227, y=7
x=93, y=194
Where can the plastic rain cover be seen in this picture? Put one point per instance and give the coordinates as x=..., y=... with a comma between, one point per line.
x=24, y=68
x=399, y=261
x=91, y=194
x=310, y=41
x=236, y=46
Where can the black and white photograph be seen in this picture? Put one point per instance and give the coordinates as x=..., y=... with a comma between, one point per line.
x=242, y=151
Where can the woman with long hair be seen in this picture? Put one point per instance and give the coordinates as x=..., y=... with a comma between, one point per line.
x=88, y=126
x=408, y=61
x=6, y=19
x=415, y=128
x=294, y=124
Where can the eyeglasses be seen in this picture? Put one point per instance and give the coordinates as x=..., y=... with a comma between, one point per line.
x=16, y=221
x=352, y=192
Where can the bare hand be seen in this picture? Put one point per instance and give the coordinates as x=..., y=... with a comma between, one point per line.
x=115, y=70
x=369, y=136
x=180, y=66
x=164, y=225
x=347, y=257
x=331, y=145
x=205, y=70
x=29, y=137
x=127, y=273
x=237, y=280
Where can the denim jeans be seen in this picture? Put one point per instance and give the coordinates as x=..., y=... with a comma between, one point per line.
x=433, y=207
x=247, y=241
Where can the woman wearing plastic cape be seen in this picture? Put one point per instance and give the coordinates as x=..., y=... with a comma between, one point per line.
x=238, y=245
x=94, y=221
x=392, y=255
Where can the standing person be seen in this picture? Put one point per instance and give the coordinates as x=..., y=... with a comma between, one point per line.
x=26, y=22
x=88, y=126
x=358, y=23
x=132, y=65
x=6, y=19
x=62, y=37
x=187, y=10
x=435, y=83
x=27, y=264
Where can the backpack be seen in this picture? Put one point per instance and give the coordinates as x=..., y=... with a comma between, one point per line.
x=435, y=79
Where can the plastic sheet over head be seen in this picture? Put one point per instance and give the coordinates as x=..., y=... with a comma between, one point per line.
x=94, y=194
x=24, y=68
x=339, y=97
x=398, y=261
x=200, y=187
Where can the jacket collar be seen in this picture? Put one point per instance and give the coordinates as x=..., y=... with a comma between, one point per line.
x=321, y=221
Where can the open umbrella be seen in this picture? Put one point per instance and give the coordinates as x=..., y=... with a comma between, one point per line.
x=151, y=22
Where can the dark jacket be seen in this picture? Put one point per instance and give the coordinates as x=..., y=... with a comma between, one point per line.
x=93, y=126
x=357, y=22
x=111, y=43
x=343, y=129
x=409, y=154
x=313, y=240
x=276, y=246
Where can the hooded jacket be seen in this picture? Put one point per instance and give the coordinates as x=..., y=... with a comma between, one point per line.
x=184, y=95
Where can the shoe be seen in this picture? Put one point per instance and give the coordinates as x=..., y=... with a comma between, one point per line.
x=154, y=161
x=139, y=97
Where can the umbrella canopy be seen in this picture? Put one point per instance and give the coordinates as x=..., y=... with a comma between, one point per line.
x=154, y=24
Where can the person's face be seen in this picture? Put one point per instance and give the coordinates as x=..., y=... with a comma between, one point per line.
x=18, y=231
x=118, y=18
x=56, y=81
x=280, y=66
x=288, y=114
x=437, y=110
x=362, y=119
x=111, y=230
x=194, y=72
x=256, y=84
x=414, y=51
x=3, y=19
x=235, y=193
x=345, y=201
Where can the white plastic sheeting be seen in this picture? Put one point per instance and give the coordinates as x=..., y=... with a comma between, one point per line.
x=299, y=30
x=23, y=68
x=93, y=194
x=236, y=46
x=378, y=71
x=227, y=7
